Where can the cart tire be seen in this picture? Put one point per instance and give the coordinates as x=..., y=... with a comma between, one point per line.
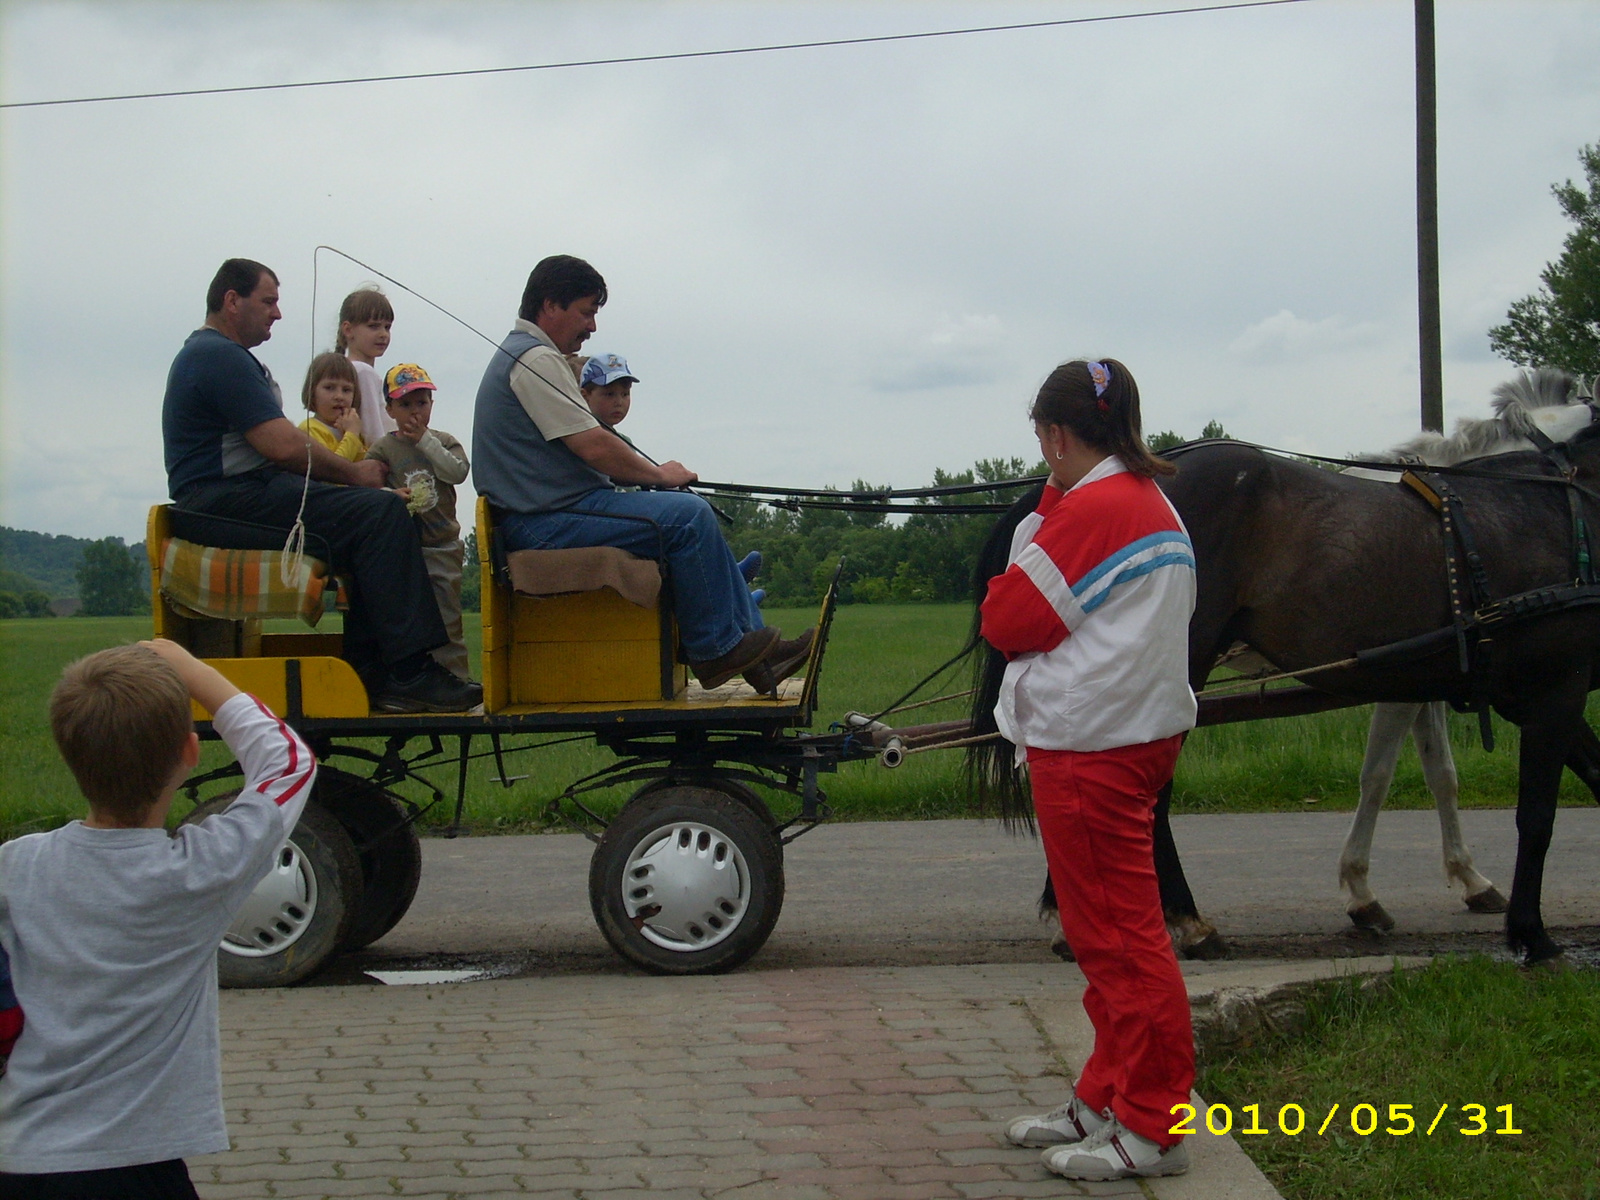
x=686, y=881
x=300, y=914
x=740, y=791
x=385, y=843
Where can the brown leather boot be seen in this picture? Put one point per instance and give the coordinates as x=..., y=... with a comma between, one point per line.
x=751, y=649
x=786, y=658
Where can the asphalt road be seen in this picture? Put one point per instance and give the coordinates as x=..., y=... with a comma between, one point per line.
x=949, y=892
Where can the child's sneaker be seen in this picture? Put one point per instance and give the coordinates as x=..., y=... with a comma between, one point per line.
x=750, y=564
x=1114, y=1152
x=1069, y=1123
x=757, y=595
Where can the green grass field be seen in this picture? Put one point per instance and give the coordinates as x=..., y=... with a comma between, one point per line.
x=877, y=651
x=1457, y=1033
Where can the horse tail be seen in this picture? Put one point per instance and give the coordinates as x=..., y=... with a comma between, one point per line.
x=993, y=779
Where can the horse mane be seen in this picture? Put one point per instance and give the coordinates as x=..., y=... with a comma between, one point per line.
x=992, y=777
x=1510, y=429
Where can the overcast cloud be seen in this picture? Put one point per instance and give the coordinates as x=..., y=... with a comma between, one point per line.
x=824, y=265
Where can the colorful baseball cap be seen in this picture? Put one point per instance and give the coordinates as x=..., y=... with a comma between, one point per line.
x=406, y=377
x=602, y=369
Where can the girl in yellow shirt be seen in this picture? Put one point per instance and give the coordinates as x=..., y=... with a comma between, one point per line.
x=329, y=395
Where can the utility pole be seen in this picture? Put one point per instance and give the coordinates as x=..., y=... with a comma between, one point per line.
x=1428, y=226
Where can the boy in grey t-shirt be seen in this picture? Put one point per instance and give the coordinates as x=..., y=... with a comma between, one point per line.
x=112, y=928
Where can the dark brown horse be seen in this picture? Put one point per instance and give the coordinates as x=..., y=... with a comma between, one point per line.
x=1308, y=567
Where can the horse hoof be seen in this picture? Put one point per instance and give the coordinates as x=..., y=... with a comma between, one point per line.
x=1557, y=964
x=1487, y=901
x=1371, y=917
x=1208, y=948
x=1062, y=950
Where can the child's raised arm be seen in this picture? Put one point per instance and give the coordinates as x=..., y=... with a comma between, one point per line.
x=205, y=683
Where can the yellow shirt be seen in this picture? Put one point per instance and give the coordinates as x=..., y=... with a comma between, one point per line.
x=350, y=446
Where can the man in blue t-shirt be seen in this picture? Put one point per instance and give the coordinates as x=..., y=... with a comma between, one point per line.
x=230, y=452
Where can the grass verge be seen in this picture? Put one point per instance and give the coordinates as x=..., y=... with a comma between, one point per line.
x=877, y=651
x=1458, y=1032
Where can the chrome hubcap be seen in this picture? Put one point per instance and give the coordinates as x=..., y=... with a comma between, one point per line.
x=278, y=912
x=686, y=886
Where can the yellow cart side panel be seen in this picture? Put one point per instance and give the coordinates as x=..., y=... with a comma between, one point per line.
x=596, y=672
x=329, y=687
x=155, y=535
x=583, y=617
x=496, y=618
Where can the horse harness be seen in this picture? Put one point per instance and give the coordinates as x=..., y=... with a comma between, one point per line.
x=1474, y=613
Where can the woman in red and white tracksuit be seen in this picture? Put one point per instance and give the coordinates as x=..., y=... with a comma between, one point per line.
x=1093, y=615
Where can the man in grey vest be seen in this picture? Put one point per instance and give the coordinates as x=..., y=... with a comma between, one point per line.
x=547, y=465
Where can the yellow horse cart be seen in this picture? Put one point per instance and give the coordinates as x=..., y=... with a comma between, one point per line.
x=686, y=879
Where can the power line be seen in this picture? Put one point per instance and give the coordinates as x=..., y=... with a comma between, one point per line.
x=644, y=58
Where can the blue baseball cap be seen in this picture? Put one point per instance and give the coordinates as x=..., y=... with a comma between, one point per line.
x=602, y=369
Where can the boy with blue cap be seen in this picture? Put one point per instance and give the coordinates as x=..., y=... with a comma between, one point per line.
x=607, y=387
x=606, y=382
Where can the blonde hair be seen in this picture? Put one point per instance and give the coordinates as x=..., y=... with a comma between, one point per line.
x=328, y=365
x=359, y=307
x=121, y=719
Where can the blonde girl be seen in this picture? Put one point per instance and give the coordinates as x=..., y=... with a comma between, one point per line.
x=365, y=320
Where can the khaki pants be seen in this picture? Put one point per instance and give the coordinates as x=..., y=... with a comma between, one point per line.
x=444, y=572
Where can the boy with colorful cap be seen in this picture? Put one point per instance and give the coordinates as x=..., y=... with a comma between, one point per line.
x=427, y=463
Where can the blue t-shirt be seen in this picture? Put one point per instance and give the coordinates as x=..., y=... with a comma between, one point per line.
x=216, y=391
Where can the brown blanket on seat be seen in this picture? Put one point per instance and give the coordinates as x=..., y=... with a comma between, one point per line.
x=554, y=572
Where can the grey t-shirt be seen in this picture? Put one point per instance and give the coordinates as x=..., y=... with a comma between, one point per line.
x=112, y=935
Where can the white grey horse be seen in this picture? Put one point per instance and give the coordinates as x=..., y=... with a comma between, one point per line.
x=1558, y=406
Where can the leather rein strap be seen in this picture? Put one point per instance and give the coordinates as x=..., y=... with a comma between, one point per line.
x=1474, y=612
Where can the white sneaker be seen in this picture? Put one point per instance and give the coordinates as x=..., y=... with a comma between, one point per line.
x=1067, y=1125
x=1113, y=1152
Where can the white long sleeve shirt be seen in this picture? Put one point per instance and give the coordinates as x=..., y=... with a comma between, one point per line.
x=112, y=935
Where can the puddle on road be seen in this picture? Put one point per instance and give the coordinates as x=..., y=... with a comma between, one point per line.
x=402, y=977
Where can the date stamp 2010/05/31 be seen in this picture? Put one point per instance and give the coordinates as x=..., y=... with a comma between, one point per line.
x=1362, y=1119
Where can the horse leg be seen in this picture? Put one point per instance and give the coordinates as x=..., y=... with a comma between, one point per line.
x=1192, y=935
x=1547, y=740
x=1432, y=737
x=1584, y=761
x=1049, y=911
x=1385, y=736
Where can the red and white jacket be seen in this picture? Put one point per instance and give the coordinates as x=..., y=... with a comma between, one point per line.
x=1093, y=614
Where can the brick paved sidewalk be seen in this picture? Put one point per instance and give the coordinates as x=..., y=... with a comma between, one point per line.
x=825, y=1083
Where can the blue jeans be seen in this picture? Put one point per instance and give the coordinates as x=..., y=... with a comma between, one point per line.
x=710, y=597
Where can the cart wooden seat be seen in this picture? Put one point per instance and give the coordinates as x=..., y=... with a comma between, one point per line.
x=585, y=626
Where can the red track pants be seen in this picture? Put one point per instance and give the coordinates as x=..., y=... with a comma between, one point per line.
x=1096, y=819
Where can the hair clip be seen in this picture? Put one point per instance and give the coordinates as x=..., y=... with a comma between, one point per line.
x=1100, y=375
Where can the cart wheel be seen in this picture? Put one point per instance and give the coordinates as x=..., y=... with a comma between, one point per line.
x=298, y=916
x=686, y=881
x=746, y=795
x=385, y=841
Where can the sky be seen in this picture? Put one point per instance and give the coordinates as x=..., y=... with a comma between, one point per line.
x=824, y=264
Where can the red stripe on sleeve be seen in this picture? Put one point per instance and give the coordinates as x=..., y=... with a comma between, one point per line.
x=10, y=1029
x=295, y=745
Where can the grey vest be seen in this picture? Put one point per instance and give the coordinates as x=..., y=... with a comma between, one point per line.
x=513, y=465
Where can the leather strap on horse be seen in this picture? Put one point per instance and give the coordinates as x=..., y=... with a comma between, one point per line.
x=1474, y=648
x=1556, y=452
